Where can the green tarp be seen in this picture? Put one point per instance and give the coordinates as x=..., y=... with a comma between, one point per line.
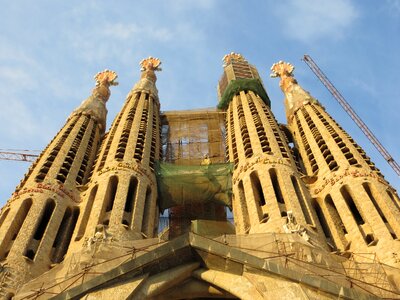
x=235, y=86
x=179, y=185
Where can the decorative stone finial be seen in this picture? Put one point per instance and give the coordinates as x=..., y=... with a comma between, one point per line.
x=106, y=78
x=148, y=77
x=150, y=63
x=281, y=69
x=228, y=57
x=148, y=67
x=295, y=95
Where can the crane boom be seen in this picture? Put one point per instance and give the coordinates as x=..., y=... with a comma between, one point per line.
x=349, y=110
x=6, y=155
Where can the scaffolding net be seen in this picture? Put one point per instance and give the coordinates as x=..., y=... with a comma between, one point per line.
x=183, y=184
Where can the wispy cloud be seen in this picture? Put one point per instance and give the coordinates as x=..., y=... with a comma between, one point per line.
x=310, y=20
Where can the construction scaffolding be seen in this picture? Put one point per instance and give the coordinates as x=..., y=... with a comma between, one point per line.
x=188, y=137
x=194, y=178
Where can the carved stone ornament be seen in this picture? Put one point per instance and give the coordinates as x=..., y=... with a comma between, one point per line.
x=292, y=226
x=148, y=77
x=295, y=95
x=106, y=77
x=232, y=56
x=150, y=63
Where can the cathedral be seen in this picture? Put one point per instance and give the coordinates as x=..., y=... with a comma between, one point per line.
x=214, y=203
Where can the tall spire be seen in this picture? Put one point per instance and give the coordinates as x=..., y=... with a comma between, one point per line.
x=95, y=104
x=295, y=95
x=43, y=210
x=122, y=194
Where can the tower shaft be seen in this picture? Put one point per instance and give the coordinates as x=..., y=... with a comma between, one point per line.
x=266, y=183
x=39, y=219
x=122, y=194
x=358, y=208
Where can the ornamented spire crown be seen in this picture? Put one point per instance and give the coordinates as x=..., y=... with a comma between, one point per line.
x=149, y=66
x=295, y=95
x=104, y=80
x=232, y=56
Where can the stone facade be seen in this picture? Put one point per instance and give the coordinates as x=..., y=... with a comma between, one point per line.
x=305, y=198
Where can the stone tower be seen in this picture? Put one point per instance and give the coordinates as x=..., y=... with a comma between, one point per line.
x=358, y=209
x=122, y=192
x=268, y=191
x=38, y=221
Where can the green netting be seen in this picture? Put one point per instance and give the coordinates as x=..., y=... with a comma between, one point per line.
x=235, y=86
x=180, y=185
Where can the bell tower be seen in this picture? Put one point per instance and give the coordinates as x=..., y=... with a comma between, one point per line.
x=37, y=223
x=359, y=210
x=122, y=192
x=266, y=181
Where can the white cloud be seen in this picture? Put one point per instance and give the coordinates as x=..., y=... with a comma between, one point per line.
x=310, y=20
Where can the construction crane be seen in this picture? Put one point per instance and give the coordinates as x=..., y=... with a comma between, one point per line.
x=346, y=106
x=20, y=155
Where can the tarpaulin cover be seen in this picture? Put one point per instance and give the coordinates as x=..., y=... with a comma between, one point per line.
x=182, y=184
x=243, y=84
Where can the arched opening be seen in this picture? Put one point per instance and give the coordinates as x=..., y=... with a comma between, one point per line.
x=15, y=227
x=130, y=201
x=302, y=201
x=109, y=199
x=40, y=230
x=336, y=219
x=4, y=216
x=367, y=189
x=86, y=215
x=64, y=234
x=146, y=211
x=243, y=206
x=324, y=225
x=278, y=192
x=257, y=189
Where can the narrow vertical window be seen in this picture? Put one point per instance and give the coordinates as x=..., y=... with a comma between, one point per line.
x=64, y=234
x=86, y=215
x=257, y=189
x=368, y=237
x=302, y=201
x=324, y=224
x=41, y=227
x=111, y=193
x=146, y=211
x=243, y=206
x=130, y=201
x=392, y=197
x=336, y=219
x=4, y=216
x=352, y=206
x=278, y=192
x=378, y=209
x=14, y=229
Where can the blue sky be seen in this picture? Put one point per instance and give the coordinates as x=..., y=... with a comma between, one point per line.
x=50, y=51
